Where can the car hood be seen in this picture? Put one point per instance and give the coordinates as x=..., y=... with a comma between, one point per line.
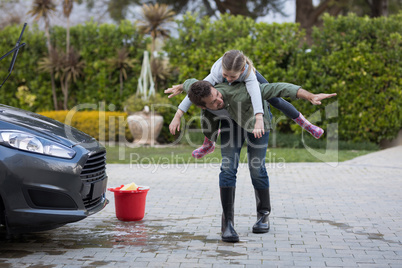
x=22, y=120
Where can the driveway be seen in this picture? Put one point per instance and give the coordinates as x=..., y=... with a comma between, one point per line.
x=324, y=215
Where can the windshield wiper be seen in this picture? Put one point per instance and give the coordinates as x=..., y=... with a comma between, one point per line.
x=15, y=50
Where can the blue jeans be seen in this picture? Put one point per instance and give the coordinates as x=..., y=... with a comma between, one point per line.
x=232, y=140
x=285, y=107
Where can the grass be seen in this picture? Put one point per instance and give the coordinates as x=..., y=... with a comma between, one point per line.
x=182, y=155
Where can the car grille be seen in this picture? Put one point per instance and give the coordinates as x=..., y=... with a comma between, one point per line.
x=90, y=203
x=93, y=171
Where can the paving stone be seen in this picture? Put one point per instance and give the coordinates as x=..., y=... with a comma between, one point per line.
x=322, y=216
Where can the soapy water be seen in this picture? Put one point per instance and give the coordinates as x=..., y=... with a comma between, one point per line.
x=148, y=235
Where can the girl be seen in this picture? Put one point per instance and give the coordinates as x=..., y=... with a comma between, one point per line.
x=234, y=66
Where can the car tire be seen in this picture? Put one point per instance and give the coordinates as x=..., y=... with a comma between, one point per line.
x=2, y=212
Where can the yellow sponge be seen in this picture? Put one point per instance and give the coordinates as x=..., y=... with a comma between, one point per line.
x=129, y=187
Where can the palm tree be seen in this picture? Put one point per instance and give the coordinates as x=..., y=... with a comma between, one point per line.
x=43, y=9
x=62, y=69
x=154, y=21
x=161, y=70
x=67, y=8
x=122, y=63
x=53, y=63
x=73, y=69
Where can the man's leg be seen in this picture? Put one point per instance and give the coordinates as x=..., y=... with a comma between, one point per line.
x=256, y=151
x=232, y=139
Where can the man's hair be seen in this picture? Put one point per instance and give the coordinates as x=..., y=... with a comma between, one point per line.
x=198, y=91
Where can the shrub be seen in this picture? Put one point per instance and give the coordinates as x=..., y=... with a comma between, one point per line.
x=103, y=126
x=360, y=59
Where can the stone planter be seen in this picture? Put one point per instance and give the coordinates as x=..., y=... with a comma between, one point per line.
x=145, y=127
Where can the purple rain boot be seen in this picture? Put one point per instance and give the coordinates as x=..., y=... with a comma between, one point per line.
x=206, y=148
x=310, y=128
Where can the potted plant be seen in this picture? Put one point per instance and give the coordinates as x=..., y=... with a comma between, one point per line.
x=144, y=120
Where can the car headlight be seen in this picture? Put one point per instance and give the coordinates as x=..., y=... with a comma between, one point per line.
x=31, y=143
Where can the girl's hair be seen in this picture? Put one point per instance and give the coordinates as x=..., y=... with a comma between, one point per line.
x=235, y=60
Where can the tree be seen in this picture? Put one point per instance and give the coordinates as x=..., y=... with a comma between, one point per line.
x=249, y=8
x=161, y=71
x=65, y=70
x=43, y=9
x=155, y=22
x=73, y=68
x=122, y=63
x=117, y=10
x=53, y=63
x=379, y=8
x=67, y=8
x=9, y=15
x=309, y=15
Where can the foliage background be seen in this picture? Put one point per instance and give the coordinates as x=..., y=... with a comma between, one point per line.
x=357, y=57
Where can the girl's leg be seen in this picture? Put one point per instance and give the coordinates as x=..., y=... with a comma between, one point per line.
x=290, y=111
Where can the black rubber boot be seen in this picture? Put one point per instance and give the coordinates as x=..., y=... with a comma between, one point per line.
x=263, y=210
x=227, y=199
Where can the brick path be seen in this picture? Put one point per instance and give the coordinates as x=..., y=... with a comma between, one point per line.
x=342, y=215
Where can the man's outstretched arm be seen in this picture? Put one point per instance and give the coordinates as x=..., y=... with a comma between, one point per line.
x=315, y=99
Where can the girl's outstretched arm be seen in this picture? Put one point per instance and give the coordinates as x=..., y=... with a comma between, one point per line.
x=174, y=90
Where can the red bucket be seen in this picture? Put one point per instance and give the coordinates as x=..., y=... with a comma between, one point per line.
x=130, y=205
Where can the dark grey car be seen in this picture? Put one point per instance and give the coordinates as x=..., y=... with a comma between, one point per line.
x=50, y=173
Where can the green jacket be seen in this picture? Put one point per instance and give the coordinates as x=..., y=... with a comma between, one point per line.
x=238, y=104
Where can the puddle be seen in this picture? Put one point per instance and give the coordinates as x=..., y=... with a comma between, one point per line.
x=99, y=263
x=148, y=235
x=14, y=253
x=349, y=229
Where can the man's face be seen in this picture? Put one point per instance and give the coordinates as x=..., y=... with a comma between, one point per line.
x=214, y=101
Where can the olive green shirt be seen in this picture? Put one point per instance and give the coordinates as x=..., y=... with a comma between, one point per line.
x=238, y=103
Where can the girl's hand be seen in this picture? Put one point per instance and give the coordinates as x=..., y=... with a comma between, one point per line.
x=174, y=90
x=259, y=126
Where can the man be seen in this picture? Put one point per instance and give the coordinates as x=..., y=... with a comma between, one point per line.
x=229, y=108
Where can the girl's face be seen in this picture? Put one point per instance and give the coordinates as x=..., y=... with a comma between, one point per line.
x=231, y=76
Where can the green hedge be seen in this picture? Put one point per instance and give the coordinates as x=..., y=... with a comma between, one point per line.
x=25, y=73
x=358, y=58
x=361, y=60
x=96, y=43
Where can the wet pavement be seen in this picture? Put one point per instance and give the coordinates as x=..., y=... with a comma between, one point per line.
x=323, y=215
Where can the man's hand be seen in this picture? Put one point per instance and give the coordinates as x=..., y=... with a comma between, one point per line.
x=175, y=124
x=259, y=126
x=315, y=99
x=174, y=90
